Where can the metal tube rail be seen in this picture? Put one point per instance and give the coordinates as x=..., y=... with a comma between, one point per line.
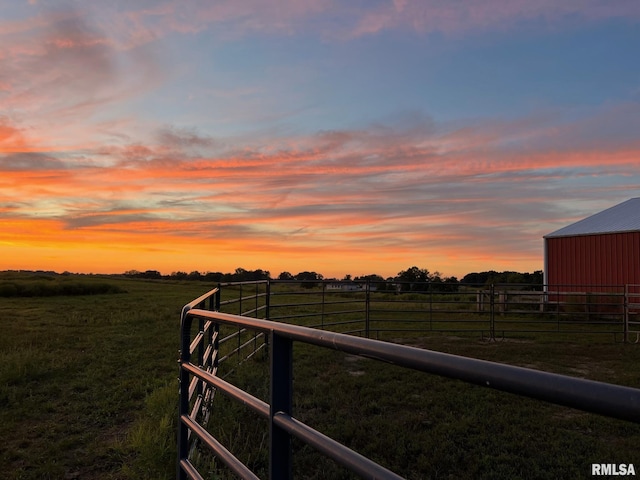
x=190, y=470
x=596, y=397
x=199, y=300
x=221, y=452
x=343, y=455
x=231, y=390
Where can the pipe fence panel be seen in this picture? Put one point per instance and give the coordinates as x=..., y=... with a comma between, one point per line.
x=381, y=310
x=204, y=347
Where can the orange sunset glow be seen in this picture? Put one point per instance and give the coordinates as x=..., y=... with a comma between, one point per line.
x=228, y=136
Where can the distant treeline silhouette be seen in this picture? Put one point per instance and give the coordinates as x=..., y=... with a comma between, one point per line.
x=411, y=279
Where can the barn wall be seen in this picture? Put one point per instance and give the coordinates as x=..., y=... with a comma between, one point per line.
x=603, y=259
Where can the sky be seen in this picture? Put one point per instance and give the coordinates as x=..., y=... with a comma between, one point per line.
x=341, y=137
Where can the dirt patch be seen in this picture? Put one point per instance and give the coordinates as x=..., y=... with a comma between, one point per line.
x=352, y=361
x=352, y=358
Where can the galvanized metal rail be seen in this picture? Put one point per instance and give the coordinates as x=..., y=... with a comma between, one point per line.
x=591, y=396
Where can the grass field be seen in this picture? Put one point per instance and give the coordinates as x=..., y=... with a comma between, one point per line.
x=88, y=382
x=88, y=390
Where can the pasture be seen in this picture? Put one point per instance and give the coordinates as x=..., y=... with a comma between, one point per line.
x=88, y=390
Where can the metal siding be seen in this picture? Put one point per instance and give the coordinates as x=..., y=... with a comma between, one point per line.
x=564, y=272
x=573, y=254
x=554, y=248
x=599, y=262
x=610, y=257
x=631, y=259
x=622, y=272
x=635, y=257
x=580, y=258
x=632, y=266
x=607, y=259
x=590, y=260
x=604, y=252
x=626, y=260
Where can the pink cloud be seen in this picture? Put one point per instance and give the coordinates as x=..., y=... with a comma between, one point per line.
x=59, y=71
x=460, y=17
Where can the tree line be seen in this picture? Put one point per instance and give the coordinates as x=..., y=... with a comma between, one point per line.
x=411, y=279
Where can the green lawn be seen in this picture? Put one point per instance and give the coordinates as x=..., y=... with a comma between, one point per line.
x=88, y=382
x=88, y=390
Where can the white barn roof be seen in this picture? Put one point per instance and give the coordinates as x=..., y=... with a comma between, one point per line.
x=624, y=217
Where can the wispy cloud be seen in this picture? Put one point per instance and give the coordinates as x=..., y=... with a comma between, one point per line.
x=416, y=188
x=89, y=157
x=464, y=17
x=60, y=72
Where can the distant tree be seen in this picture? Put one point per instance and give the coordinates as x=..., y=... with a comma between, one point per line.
x=195, y=275
x=420, y=279
x=285, y=276
x=447, y=284
x=492, y=277
x=260, y=274
x=372, y=278
x=240, y=275
x=213, y=276
x=243, y=275
x=309, y=279
x=535, y=278
x=413, y=279
x=308, y=276
x=478, y=278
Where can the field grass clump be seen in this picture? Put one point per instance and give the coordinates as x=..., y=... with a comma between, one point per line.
x=40, y=285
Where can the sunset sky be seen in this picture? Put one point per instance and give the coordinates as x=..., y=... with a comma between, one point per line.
x=343, y=137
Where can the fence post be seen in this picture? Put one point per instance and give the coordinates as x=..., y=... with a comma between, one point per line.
x=268, y=317
x=492, y=314
x=183, y=401
x=502, y=301
x=626, y=313
x=280, y=463
x=239, y=327
x=367, y=307
x=324, y=289
x=268, y=300
x=430, y=287
x=201, y=348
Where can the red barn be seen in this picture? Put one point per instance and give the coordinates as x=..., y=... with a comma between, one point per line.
x=599, y=251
